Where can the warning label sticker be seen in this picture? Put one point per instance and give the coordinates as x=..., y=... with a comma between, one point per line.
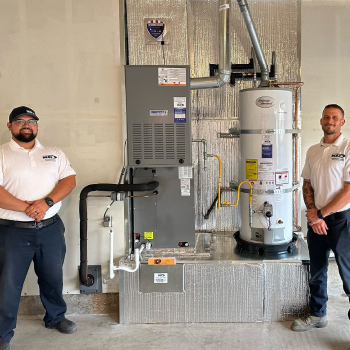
x=266, y=165
x=266, y=185
x=266, y=175
x=161, y=261
x=185, y=172
x=282, y=177
x=185, y=187
x=172, y=76
x=251, y=169
x=267, y=139
x=148, y=235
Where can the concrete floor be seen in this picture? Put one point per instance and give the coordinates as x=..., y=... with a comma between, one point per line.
x=102, y=332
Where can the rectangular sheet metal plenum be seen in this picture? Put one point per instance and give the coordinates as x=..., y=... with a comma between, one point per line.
x=286, y=291
x=213, y=293
x=221, y=291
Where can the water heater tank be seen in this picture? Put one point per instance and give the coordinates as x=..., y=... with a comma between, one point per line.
x=267, y=163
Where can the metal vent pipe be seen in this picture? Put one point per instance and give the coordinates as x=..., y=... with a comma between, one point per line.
x=223, y=76
x=243, y=5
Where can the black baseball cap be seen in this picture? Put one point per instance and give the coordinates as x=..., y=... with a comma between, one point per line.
x=23, y=110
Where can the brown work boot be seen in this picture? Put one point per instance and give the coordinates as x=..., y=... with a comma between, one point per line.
x=307, y=322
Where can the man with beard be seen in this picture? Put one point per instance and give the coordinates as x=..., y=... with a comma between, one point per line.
x=33, y=181
x=326, y=191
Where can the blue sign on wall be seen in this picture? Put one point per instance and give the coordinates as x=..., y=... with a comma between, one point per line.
x=155, y=28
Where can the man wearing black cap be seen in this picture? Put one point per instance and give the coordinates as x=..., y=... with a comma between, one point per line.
x=34, y=179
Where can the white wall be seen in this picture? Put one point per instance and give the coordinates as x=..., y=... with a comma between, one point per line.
x=62, y=59
x=325, y=57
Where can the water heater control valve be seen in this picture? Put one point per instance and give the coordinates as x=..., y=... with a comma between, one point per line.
x=268, y=210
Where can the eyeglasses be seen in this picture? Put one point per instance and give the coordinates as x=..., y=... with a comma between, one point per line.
x=30, y=122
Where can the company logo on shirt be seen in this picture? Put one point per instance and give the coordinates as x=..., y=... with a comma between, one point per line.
x=50, y=158
x=338, y=156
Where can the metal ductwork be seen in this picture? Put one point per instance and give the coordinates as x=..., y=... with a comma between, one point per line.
x=223, y=75
x=243, y=5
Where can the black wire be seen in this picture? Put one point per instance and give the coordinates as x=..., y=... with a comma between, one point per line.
x=104, y=215
x=126, y=34
x=162, y=44
x=124, y=155
x=121, y=175
x=124, y=167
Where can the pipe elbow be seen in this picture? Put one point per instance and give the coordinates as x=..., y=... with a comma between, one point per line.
x=85, y=191
x=223, y=78
x=218, y=81
x=264, y=82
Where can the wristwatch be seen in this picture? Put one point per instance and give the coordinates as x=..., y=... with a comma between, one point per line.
x=319, y=214
x=49, y=201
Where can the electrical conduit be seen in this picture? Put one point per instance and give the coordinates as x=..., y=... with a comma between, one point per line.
x=83, y=269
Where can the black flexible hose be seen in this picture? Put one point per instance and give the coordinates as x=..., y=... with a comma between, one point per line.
x=83, y=215
x=206, y=216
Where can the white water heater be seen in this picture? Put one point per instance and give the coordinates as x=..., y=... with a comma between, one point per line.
x=267, y=163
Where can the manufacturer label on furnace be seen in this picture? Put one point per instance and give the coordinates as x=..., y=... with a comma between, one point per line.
x=161, y=277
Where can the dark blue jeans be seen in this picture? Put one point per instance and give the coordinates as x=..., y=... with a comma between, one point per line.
x=18, y=248
x=337, y=239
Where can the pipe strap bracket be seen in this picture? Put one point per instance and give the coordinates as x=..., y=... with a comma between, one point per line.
x=287, y=190
x=270, y=131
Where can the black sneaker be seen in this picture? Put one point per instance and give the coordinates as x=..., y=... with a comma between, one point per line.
x=5, y=345
x=66, y=327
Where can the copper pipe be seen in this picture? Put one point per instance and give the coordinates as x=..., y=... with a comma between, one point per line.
x=150, y=195
x=98, y=196
x=296, y=169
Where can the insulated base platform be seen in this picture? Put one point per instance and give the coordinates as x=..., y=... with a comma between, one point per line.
x=219, y=285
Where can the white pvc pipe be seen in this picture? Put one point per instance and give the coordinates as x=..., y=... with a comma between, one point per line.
x=113, y=268
x=111, y=264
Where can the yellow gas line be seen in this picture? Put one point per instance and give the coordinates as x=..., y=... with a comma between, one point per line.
x=250, y=193
x=239, y=186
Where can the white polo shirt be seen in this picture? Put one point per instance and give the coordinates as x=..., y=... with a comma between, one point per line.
x=328, y=167
x=31, y=175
